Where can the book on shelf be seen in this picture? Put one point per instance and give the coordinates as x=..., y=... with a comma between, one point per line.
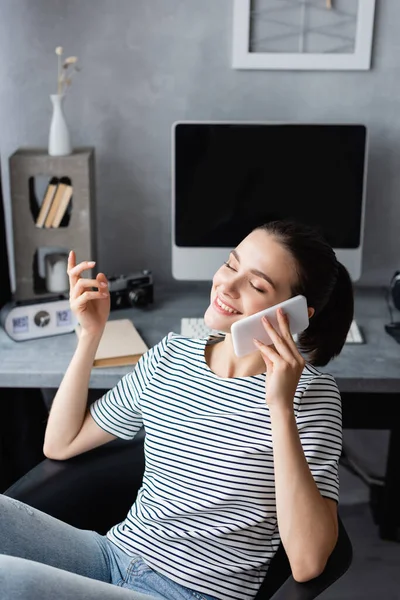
x=62, y=207
x=47, y=202
x=120, y=344
x=61, y=190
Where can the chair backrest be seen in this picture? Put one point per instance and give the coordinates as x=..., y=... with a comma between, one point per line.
x=279, y=571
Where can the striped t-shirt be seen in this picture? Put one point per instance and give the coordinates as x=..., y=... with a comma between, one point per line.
x=205, y=515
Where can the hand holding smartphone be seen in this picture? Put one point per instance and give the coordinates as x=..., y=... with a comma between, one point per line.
x=246, y=329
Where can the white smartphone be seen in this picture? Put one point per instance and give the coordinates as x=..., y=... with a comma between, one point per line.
x=246, y=329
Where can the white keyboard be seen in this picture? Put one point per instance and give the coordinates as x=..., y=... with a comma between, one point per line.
x=196, y=328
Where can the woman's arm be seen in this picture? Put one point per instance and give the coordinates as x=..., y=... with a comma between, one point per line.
x=307, y=524
x=69, y=406
x=92, y=309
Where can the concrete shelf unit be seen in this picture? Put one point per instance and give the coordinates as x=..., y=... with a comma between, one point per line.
x=77, y=230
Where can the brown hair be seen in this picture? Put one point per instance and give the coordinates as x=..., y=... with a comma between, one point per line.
x=326, y=284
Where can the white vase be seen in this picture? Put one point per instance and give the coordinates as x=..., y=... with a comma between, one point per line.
x=59, y=138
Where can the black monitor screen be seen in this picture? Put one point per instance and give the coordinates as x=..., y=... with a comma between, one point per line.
x=230, y=178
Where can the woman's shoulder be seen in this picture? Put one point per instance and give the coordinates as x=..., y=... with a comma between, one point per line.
x=316, y=382
x=318, y=398
x=311, y=372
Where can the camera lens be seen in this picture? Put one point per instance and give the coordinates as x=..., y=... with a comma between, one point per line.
x=137, y=297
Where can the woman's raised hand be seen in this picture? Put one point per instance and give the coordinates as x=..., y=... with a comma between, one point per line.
x=284, y=363
x=91, y=308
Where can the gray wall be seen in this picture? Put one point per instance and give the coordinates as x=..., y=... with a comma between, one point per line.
x=147, y=63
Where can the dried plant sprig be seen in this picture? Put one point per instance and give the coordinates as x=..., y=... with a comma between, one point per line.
x=64, y=70
x=59, y=51
x=67, y=80
x=71, y=60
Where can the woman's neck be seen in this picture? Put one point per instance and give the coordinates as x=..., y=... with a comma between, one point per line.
x=222, y=360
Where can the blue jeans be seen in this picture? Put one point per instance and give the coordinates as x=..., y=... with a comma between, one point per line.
x=42, y=558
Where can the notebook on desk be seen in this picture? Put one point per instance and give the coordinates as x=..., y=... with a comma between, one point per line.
x=120, y=344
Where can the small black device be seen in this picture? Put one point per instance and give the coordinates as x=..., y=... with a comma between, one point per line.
x=395, y=289
x=393, y=328
x=135, y=289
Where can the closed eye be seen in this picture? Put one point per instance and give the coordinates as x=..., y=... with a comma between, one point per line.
x=256, y=288
x=252, y=285
x=229, y=266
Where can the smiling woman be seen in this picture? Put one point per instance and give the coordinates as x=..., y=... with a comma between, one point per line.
x=257, y=275
x=274, y=263
x=240, y=452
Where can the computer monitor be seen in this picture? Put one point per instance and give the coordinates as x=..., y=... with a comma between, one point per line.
x=230, y=177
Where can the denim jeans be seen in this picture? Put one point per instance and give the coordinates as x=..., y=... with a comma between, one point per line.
x=42, y=558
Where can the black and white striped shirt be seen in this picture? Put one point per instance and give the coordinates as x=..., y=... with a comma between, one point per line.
x=205, y=515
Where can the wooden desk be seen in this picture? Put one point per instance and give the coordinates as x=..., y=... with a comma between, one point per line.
x=368, y=375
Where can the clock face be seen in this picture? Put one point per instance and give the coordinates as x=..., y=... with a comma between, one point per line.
x=20, y=324
x=63, y=317
x=42, y=318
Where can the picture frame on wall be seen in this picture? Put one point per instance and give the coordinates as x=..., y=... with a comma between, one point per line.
x=303, y=34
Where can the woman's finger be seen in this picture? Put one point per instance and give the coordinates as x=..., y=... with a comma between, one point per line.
x=86, y=296
x=71, y=265
x=74, y=270
x=102, y=281
x=285, y=328
x=280, y=344
x=267, y=351
x=266, y=358
x=87, y=284
x=82, y=266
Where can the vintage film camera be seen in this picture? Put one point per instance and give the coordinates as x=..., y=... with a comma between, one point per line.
x=135, y=289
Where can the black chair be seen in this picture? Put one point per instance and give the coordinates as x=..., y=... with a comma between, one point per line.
x=96, y=489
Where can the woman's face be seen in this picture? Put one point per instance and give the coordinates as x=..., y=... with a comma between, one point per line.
x=259, y=273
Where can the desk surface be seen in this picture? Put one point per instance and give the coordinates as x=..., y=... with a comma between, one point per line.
x=370, y=367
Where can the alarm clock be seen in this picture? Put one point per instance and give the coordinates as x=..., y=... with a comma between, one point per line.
x=31, y=319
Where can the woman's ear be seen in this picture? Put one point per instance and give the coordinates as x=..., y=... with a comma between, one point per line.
x=311, y=312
